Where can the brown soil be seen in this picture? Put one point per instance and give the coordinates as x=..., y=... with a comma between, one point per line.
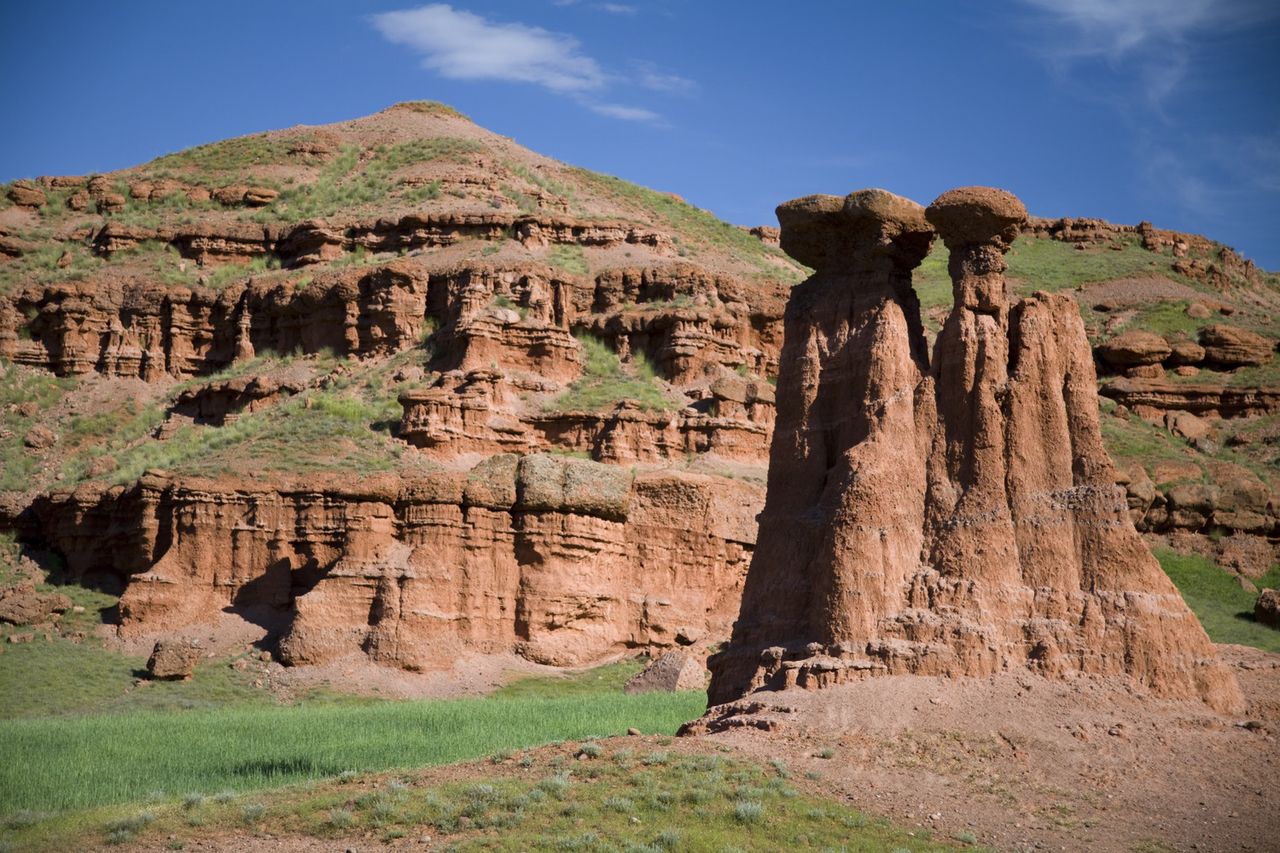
x=1023, y=762
x=1137, y=291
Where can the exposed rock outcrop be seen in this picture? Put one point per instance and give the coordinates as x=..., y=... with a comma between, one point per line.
x=672, y=671
x=561, y=560
x=482, y=412
x=959, y=518
x=1267, y=608
x=1200, y=398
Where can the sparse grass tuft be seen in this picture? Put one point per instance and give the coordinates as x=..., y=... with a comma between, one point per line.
x=605, y=382
x=568, y=257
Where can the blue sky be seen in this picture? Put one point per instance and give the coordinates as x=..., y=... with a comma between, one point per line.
x=1167, y=110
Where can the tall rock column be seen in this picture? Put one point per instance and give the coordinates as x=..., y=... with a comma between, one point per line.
x=953, y=520
x=841, y=528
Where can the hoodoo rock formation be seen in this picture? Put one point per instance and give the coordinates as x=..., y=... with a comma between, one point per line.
x=953, y=518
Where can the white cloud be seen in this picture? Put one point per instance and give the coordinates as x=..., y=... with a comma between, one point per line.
x=625, y=113
x=464, y=46
x=617, y=8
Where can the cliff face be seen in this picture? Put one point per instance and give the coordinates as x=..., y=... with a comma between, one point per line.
x=561, y=560
x=953, y=518
x=310, y=376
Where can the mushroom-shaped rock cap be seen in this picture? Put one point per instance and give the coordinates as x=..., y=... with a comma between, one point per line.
x=825, y=231
x=975, y=216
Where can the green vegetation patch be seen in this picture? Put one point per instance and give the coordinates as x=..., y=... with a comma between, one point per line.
x=313, y=431
x=586, y=796
x=1042, y=264
x=1223, y=608
x=347, y=181
x=694, y=226
x=606, y=679
x=57, y=676
x=605, y=382
x=41, y=265
x=1168, y=318
x=258, y=149
x=24, y=394
x=568, y=257
x=82, y=762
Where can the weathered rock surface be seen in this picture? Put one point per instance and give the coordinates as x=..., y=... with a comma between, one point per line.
x=24, y=605
x=174, y=659
x=1227, y=346
x=560, y=560
x=1135, y=347
x=1267, y=608
x=481, y=412
x=672, y=671
x=959, y=518
x=1200, y=398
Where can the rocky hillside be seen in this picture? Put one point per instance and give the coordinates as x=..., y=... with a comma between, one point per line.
x=398, y=387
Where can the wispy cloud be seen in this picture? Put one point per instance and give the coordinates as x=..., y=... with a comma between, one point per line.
x=461, y=45
x=611, y=8
x=625, y=113
x=650, y=77
x=1152, y=41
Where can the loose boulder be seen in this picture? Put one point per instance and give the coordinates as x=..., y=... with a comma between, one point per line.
x=24, y=605
x=675, y=670
x=174, y=660
x=1267, y=608
x=1134, y=348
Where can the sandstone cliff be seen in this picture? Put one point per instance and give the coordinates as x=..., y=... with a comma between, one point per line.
x=272, y=375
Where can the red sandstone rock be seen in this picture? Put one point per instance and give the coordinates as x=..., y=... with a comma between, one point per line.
x=26, y=194
x=1228, y=346
x=672, y=671
x=560, y=560
x=953, y=518
x=1133, y=348
x=1267, y=608
x=174, y=659
x=23, y=605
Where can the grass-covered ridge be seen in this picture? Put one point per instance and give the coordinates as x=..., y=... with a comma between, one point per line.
x=620, y=795
x=694, y=228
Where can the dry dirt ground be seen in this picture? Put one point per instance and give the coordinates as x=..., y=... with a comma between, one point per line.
x=1025, y=763
x=1020, y=762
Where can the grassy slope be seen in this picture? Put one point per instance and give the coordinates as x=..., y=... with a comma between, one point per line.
x=81, y=762
x=577, y=796
x=1224, y=609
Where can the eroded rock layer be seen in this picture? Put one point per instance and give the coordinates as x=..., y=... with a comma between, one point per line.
x=958, y=518
x=561, y=560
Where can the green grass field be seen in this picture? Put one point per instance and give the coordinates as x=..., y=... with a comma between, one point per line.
x=81, y=762
x=628, y=795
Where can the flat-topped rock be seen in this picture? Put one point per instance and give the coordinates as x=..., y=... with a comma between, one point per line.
x=970, y=216
x=823, y=231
